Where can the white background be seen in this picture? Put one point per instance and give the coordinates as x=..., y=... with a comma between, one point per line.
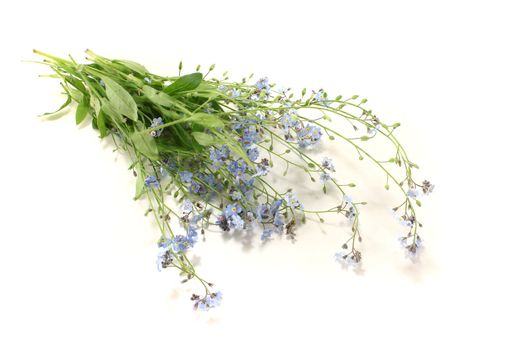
x=77, y=257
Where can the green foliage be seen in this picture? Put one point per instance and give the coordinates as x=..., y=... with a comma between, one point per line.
x=185, y=83
x=145, y=145
x=120, y=100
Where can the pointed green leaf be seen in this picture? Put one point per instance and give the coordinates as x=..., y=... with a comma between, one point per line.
x=101, y=125
x=145, y=144
x=184, y=83
x=207, y=120
x=139, y=185
x=203, y=139
x=82, y=111
x=64, y=105
x=134, y=66
x=120, y=100
x=157, y=97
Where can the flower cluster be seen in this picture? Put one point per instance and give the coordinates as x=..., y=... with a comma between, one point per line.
x=208, y=144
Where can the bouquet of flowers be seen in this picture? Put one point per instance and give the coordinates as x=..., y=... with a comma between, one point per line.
x=201, y=149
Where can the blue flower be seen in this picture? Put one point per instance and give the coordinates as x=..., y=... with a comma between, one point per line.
x=350, y=214
x=309, y=135
x=236, y=195
x=232, y=209
x=278, y=220
x=289, y=122
x=186, y=207
x=185, y=176
x=347, y=199
x=212, y=182
x=196, y=187
x=262, y=84
x=413, y=193
x=348, y=259
x=219, y=156
x=412, y=247
x=276, y=206
x=179, y=243
x=156, y=122
x=325, y=177
x=292, y=201
x=327, y=164
x=236, y=222
x=267, y=233
x=253, y=154
x=373, y=131
x=151, y=182
x=191, y=236
x=235, y=93
x=262, y=168
x=164, y=259
x=249, y=136
x=263, y=212
x=237, y=167
x=167, y=164
x=320, y=97
x=147, y=80
x=210, y=301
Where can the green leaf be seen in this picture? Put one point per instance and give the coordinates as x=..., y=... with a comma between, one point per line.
x=157, y=97
x=139, y=185
x=207, y=120
x=101, y=125
x=203, y=139
x=145, y=144
x=134, y=66
x=120, y=100
x=82, y=111
x=64, y=105
x=184, y=83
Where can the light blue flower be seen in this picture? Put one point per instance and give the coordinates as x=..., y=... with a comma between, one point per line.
x=179, y=243
x=237, y=167
x=263, y=212
x=309, y=135
x=288, y=122
x=413, y=193
x=155, y=123
x=278, y=220
x=236, y=195
x=151, y=182
x=163, y=259
x=347, y=199
x=186, y=207
x=347, y=260
x=292, y=201
x=236, y=222
x=327, y=164
x=324, y=178
x=267, y=234
x=320, y=96
x=253, y=153
x=232, y=209
x=235, y=93
x=263, y=84
x=210, y=301
x=185, y=176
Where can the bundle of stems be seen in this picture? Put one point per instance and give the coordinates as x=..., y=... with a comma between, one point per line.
x=209, y=143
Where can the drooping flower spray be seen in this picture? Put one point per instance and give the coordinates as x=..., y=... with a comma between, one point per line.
x=208, y=144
